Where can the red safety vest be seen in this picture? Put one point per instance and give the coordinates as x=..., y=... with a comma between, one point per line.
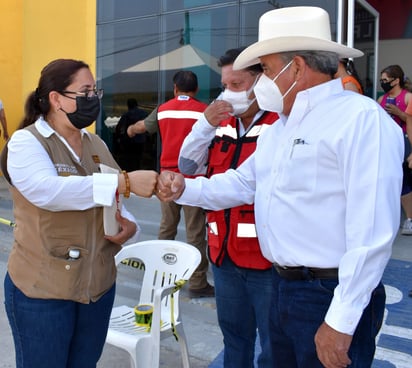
x=176, y=118
x=233, y=231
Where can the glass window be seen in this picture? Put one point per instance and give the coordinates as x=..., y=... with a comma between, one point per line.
x=204, y=36
x=329, y=6
x=250, y=14
x=140, y=48
x=120, y=46
x=108, y=10
x=171, y=5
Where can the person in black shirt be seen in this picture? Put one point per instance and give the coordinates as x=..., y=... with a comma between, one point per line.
x=128, y=151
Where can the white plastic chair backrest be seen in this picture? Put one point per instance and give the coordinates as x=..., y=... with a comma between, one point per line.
x=165, y=261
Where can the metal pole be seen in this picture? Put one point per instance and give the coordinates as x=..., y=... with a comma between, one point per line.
x=351, y=22
x=339, y=21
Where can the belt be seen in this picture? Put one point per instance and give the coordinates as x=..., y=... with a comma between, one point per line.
x=306, y=273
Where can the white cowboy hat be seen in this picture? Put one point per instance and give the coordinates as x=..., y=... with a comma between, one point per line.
x=293, y=29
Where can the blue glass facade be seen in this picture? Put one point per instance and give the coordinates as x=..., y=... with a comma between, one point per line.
x=141, y=45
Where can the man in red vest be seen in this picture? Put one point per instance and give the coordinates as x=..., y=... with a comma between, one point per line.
x=223, y=138
x=174, y=120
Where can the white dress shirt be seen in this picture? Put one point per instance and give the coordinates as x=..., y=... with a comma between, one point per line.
x=33, y=174
x=326, y=183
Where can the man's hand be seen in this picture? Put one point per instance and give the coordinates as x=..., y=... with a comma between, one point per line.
x=137, y=128
x=170, y=186
x=218, y=111
x=332, y=347
x=127, y=230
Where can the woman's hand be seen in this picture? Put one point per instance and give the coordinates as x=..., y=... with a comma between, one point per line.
x=143, y=182
x=127, y=230
x=393, y=110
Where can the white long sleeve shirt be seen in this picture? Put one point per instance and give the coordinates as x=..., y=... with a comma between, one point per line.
x=326, y=183
x=33, y=174
x=194, y=153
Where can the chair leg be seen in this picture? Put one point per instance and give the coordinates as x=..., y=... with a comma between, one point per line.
x=133, y=363
x=147, y=353
x=183, y=346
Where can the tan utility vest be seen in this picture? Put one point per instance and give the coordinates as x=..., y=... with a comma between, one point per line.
x=38, y=262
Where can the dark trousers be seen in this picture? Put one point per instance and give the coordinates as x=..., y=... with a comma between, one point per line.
x=299, y=308
x=243, y=298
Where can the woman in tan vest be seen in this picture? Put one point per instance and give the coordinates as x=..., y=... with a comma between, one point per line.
x=60, y=284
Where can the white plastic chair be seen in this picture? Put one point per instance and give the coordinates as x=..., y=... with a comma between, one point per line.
x=166, y=263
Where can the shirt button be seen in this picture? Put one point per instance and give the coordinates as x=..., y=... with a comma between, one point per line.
x=67, y=267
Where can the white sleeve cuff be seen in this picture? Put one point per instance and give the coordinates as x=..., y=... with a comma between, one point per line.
x=104, y=188
x=343, y=318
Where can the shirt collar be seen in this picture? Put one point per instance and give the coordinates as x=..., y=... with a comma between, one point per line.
x=306, y=100
x=46, y=130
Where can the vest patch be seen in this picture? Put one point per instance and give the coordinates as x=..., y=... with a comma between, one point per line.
x=65, y=169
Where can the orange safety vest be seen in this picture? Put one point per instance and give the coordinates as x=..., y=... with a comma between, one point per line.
x=232, y=231
x=176, y=118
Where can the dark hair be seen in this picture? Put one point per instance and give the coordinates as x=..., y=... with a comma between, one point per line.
x=131, y=103
x=350, y=69
x=185, y=81
x=324, y=62
x=55, y=76
x=230, y=56
x=395, y=71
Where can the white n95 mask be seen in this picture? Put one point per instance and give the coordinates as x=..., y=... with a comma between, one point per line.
x=240, y=101
x=268, y=95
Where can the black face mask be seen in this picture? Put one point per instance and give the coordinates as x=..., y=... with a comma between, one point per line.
x=87, y=111
x=386, y=86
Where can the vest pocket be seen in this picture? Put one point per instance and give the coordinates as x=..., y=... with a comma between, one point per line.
x=215, y=231
x=243, y=230
x=213, y=235
x=63, y=277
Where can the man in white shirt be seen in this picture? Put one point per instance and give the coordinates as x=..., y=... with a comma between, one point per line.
x=325, y=181
x=223, y=137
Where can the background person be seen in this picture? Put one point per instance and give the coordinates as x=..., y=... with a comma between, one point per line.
x=408, y=122
x=3, y=121
x=348, y=74
x=128, y=151
x=330, y=149
x=396, y=101
x=60, y=282
x=174, y=120
x=222, y=139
